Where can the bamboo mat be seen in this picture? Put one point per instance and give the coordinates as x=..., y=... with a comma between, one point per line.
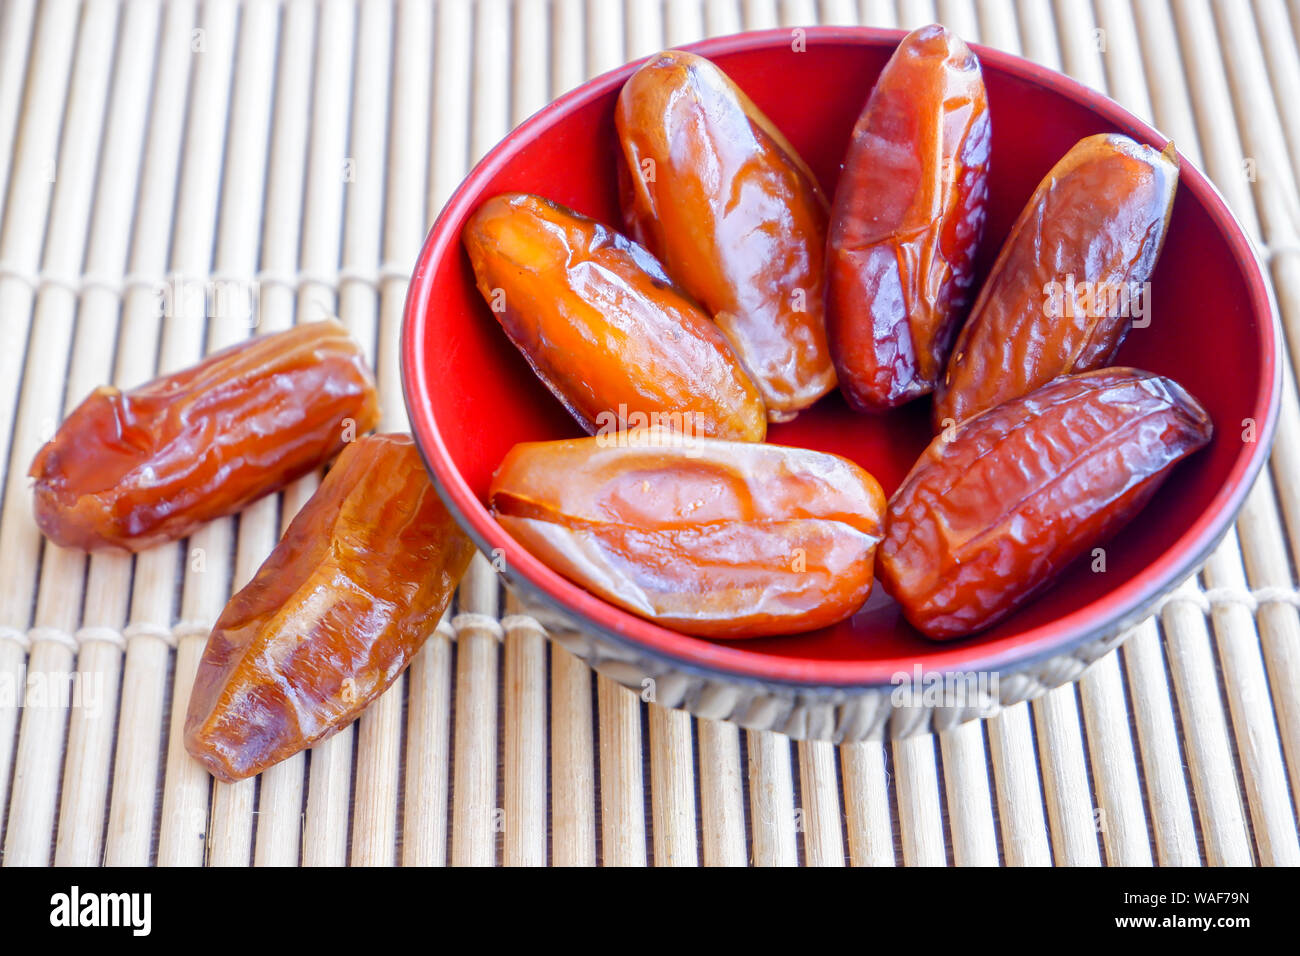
x=304, y=149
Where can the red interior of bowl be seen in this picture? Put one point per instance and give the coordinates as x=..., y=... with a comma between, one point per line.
x=471, y=396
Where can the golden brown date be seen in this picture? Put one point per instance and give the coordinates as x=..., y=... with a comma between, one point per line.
x=1062, y=293
x=332, y=617
x=127, y=470
x=907, y=217
x=604, y=327
x=994, y=511
x=714, y=190
x=714, y=538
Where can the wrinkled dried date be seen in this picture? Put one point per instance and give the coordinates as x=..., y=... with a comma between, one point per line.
x=127, y=470
x=907, y=217
x=994, y=511
x=1061, y=296
x=713, y=538
x=359, y=581
x=714, y=190
x=604, y=327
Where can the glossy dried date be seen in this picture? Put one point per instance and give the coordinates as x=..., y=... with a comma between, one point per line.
x=714, y=538
x=993, y=512
x=907, y=217
x=1070, y=277
x=714, y=190
x=336, y=612
x=127, y=470
x=602, y=325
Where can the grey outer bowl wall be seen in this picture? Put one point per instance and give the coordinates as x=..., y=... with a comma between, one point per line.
x=817, y=712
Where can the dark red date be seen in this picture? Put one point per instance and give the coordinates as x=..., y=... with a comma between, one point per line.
x=906, y=220
x=1061, y=296
x=994, y=511
x=128, y=470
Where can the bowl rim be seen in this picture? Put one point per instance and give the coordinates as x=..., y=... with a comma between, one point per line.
x=731, y=661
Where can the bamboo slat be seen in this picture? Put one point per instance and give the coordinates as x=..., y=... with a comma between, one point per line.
x=149, y=635
x=920, y=814
x=771, y=800
x=476, y=819
x=573, y=777
x=30, y=184
x=90, y=732
x=16, y=21
x=428, y=682
x=524, y=758
x=205, y=572
x=672, y=788
x=1162, y=755
x=823, y=836
x=1237, y=637
x=278, y=836
x=622, y=795
x=377, y=785
x=230, y=819
x=1019, y=790
x=1263, y=535
x=330, y=769
x=1069, y=804
x=867, y=801
x=42, y=734
x=722, y=801
x=966, y=787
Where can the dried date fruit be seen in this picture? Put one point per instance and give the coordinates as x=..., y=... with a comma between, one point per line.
x=906, y=220
x=713, y=538
x=1070, y=278
x=358, y=582
x=602, y=325
x=128, y=470
x=714, y=190
x=994, y=511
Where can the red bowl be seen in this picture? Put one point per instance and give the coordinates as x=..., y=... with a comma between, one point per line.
x=1213, y=328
